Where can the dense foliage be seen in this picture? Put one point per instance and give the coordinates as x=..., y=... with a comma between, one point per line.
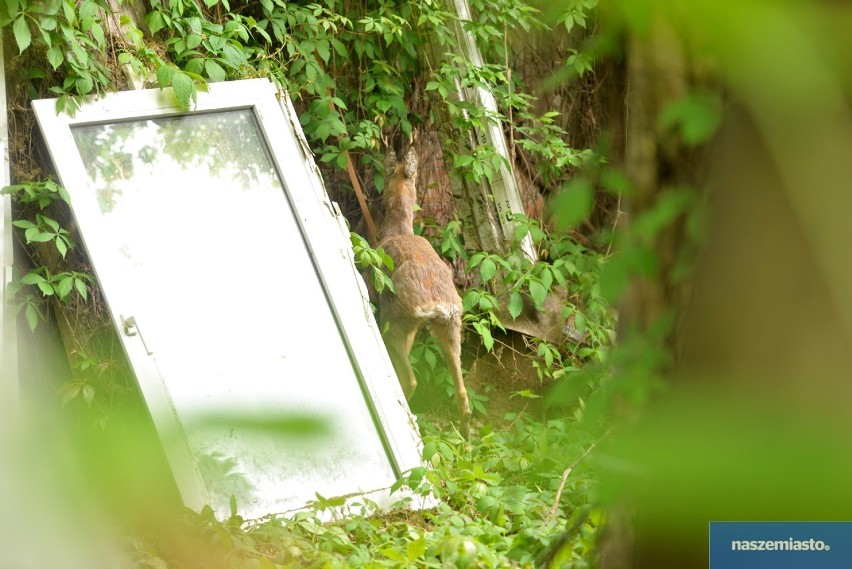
x=360, y=72
x=526, y=490
x=501, y=504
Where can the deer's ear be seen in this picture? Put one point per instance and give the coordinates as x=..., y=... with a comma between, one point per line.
x=410, y=163
x=390, y=162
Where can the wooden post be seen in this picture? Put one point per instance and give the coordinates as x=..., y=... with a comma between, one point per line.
x=485, y=208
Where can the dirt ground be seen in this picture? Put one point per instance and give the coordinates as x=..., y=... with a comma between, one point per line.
x=498, y=376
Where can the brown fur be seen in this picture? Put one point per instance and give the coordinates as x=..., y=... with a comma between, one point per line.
x=425, y=293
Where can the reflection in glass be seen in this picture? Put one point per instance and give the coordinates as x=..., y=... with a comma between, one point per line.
x=227, y=298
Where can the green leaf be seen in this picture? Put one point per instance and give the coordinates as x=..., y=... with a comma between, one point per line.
x=184, y=88
x=165, y=73
x=61, y=246
x=193, y=41
x=79, y=53
x=155, y=21
x=88, y=393
x=52, y=223
x=485, y=335
x=68, y=10
x=573, y=204
x=195, y=65
x=669, y=206
x=323, y=50
x=12, y=8
x=381, y=281
x=697, y=116
x=487, y=270
x=22, y=33
x=521, y=231
x=55, y=56
x=31, y=315
x=430, y=358
x=486, y=504
x=81, y=288
x=614, y=276
x=463, y=161
x=214, y=71
x=516, y=304
x=475, y=260
x=32, y=279
x=63, y=288
x=322, y=131
x=46, y=288
x=88, y=9
x=415, y=548
x=470, y=299
x=547, y=277
x=557, y=274
x=98, y=33
x=392, y=554
x=514, y=499
x=71, y=390
x=538, y=293
x=580, y=322
x=34, y=234
x=64, y=103
x=526, y=393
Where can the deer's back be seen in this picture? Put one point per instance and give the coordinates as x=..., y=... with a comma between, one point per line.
x=422, y=281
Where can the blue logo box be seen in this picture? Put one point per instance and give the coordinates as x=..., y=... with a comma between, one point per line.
x=780, y=545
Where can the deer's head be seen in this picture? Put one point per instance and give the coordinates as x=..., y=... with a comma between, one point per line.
x=401, y=177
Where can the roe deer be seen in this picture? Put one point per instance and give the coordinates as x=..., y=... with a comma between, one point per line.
x=425, y=293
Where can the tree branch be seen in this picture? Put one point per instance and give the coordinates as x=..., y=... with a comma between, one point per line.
x=568, y=472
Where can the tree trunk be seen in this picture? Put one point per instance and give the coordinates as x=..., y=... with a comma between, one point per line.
x=656, y=77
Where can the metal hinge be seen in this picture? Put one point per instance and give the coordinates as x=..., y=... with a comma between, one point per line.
x=130, y=327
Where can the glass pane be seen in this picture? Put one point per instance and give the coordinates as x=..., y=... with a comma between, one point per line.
x=227, y=298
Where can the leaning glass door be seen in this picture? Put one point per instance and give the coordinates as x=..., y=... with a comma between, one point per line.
x=227, y=300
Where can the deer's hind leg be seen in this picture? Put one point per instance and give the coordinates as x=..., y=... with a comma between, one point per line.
x=448, y=335
x=399, y=338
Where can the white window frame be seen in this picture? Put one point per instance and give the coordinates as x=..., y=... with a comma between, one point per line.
x=9, y=387
x=324, y=232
